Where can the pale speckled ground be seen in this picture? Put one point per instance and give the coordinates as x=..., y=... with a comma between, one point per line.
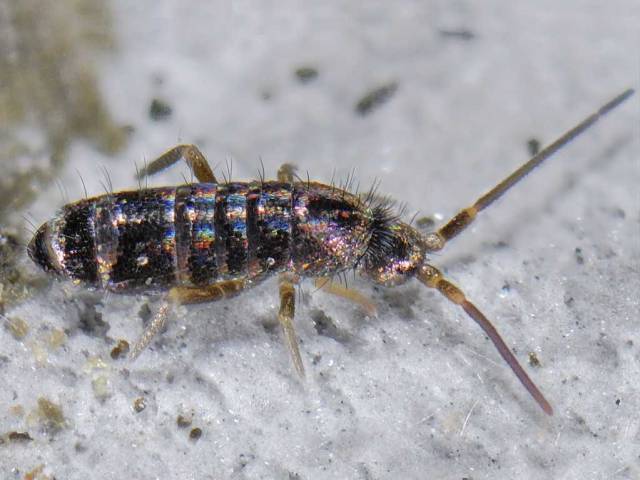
x=415, y=392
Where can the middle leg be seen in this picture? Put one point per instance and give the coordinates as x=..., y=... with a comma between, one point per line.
x=285, y=316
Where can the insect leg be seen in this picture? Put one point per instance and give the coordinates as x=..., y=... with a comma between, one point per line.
x=436, y=241
x=190, y=154
x=286, y=173
x=285, y=316
x=183, y=296
x=433, y=278
x=335, y=288
x=208, y=293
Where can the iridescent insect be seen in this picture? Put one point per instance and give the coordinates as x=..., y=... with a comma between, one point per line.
x=206, y=241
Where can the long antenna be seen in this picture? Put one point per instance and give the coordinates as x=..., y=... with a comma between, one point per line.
x=496, y=192
x=433, y=278
x=463, y=219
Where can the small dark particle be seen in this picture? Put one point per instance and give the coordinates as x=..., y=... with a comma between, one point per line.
x=195, y=434
x=20, y=437
x=159, y=110
x=266, y=95
x=325, y=326
x=145, y=313
x=139, y=404
x=80, y=447
x=120, y=350
x=579, y=257
x=375, y=98
x=506, y=288
x=533, y=359
x=270, y=325
x=462, y=34
x=402, y=302
x=618, y=401
x=619, y=213
x=306, y=74
x=533, y=146
x=244, y=460
x=90, y=319
x=323, y=323
x=500, y=244
x=183, y=421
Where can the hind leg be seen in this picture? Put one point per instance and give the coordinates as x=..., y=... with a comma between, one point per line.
x=184, y=296
x=190, y=154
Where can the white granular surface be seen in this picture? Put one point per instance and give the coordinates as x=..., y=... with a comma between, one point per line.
x=416, y=392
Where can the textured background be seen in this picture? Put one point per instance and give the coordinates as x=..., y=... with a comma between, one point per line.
x=416, y=392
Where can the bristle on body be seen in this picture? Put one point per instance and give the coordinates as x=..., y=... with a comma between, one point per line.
x=383, y=217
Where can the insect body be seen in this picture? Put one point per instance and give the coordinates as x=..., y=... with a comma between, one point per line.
x=199, y=234
x=205, y=241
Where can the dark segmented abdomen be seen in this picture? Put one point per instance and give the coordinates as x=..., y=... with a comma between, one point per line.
x=136, y=239
x=192, y=235
x=196, y=234
x=269, y=228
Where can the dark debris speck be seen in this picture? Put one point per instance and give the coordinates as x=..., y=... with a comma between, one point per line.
x=183, y=421
x=533, y=359
x=90, y=320
x=145, y=313
x=461, y=34
x=80, y=447
x=375, y=97
x=533, y=146
x=120, y=350
x=306, y=74
x=19, y=437
x=139, y=404
x=159, y=110
x=195, y=434
x=325, y=326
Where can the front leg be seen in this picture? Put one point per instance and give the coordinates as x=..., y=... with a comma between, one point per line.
x=335, y=288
